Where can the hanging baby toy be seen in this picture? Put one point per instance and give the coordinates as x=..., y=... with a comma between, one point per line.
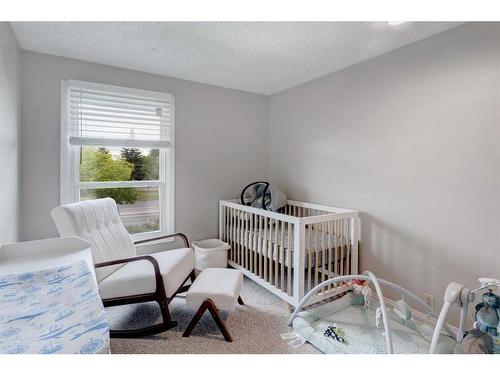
x=361, y=287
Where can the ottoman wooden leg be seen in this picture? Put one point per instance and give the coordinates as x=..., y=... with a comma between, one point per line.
x=192, y=276
x=210, y=306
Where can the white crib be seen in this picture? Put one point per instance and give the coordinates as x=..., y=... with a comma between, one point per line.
x=292, y=251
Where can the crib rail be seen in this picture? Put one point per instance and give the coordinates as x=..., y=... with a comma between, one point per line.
x=292, y=251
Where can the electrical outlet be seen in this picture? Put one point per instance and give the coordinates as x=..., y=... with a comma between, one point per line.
x=430, y=300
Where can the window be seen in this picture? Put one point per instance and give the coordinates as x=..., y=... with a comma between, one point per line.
x=118, y=142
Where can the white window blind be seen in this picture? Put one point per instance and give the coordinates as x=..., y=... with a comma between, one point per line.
x=105, y=118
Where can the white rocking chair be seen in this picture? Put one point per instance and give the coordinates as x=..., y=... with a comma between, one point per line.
x=123, y=276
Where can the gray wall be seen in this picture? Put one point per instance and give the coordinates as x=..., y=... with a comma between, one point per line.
x=220, y=144
x=412, y=140
x=10, y=125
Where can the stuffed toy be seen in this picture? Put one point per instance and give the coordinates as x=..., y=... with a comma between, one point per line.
x=487, y=313
x=360, y=287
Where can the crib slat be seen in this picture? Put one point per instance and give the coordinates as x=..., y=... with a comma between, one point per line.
x=309, y=252
x=329, y=252
x=240, y=242
x=228, y=233
x=249, y=239
x=231, y=233
x=290, y=253
x=349, y=247
x=270, y=251
x=241, y=237
x=228, y=225
x=264, y=249
x=345, y=245
x=256, y=243
x=276, y=254
x=257, y=234
x=224, y=229
x=261, y=231
x=252, y=243
x=238, y=236
x=237, y=230
x=282, y=257
x=245, y=239
x=316, y=263
x=247, y=235
x=342, y=247
x=261, y=244
x=235, y=236
x=323, y=255
x=233, y=216
x=337, y=247
x=224, y=218
x=256, y=253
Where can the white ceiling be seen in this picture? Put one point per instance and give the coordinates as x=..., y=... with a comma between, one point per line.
x=261, y=57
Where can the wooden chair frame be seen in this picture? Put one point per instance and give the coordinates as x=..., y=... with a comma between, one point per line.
x=159, y=295
x=209, y=305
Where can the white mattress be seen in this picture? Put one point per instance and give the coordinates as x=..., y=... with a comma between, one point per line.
x=314, y=247
x=363, y=337
x=54, y=310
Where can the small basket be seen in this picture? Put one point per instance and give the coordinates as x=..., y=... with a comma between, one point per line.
x=210, y=253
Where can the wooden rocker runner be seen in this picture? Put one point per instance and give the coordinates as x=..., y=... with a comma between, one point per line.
x=214, y=289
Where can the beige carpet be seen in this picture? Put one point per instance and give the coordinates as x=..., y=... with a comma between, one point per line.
x=255, y=327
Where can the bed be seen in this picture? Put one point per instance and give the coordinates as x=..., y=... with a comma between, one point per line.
x=293, y=250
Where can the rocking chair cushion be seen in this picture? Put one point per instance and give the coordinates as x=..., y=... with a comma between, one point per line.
x=139, y=278
x=98, y=222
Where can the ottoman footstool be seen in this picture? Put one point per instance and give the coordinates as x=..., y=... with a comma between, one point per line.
x=214, y=289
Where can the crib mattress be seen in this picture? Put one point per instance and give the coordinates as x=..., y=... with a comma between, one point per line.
x=363, y=337
x=55, y=310
x=314, y=248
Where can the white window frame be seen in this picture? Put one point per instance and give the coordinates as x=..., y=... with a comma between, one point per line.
x=70, y=184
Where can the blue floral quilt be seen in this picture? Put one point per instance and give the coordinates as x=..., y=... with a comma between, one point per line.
x=56, y=310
